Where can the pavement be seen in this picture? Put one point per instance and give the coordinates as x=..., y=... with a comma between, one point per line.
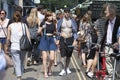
x=35, y=72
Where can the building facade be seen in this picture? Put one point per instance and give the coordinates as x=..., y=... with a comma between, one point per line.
x=8, y=6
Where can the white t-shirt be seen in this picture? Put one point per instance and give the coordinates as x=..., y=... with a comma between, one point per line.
x=16, y=34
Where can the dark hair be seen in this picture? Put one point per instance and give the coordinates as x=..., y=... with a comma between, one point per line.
x=66, y=10
x=18, y=8
x=17, y=16
x=40, y=7
x=4, y=12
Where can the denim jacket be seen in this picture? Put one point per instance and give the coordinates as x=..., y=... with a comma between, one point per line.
x=74, y=28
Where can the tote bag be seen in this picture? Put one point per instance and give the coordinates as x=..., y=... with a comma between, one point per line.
x=25, y=44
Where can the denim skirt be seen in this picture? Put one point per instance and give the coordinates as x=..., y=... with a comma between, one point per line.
x=47, y=43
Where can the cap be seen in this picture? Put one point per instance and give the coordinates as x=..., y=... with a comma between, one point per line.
x=66, y=10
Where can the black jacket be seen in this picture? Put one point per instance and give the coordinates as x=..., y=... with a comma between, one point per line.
x=114, y=34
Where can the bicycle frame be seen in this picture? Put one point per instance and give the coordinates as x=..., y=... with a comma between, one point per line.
x=101, y=73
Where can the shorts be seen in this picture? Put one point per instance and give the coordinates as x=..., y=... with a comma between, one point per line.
x=3, y=40
x=66, y=51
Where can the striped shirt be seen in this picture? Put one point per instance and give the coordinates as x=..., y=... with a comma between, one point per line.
x=99, y=26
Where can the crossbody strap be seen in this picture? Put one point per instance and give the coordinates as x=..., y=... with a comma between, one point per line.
x=3, y=30
x=44, y=32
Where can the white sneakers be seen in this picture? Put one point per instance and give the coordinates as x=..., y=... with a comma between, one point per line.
x=64, y=73
x=68, y=71
x=90, y=74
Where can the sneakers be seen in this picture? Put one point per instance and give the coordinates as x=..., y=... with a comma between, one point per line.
x=62, y=72
x=68, y=71
x=90, y=74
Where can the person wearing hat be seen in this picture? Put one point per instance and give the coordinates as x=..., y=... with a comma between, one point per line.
x=67, y=35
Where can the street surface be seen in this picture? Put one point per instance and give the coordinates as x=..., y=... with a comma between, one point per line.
x=35, y=72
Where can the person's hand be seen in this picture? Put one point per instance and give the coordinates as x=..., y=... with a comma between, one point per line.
x=44, y=26
x=57, y=42
x=74, y=43
x=116, y=46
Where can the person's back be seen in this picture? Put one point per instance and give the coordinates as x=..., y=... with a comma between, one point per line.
x=99, y=26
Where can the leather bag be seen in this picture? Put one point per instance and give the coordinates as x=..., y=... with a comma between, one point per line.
x=25, y=44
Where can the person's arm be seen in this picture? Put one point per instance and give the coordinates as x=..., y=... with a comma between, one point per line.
x=27, y=32
x=8, y=38
x=40, y=28
x=74, y=25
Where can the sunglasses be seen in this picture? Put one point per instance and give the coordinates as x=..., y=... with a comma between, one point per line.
x=2, y=13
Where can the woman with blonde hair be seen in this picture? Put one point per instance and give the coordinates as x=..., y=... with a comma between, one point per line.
x=33, y=23
x=85, y=25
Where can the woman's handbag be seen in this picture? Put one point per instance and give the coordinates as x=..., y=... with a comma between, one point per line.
x=25, y=44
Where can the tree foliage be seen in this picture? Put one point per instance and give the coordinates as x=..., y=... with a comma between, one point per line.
x=52, y=4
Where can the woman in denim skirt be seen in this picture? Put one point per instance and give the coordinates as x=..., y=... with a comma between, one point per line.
x=47, y=44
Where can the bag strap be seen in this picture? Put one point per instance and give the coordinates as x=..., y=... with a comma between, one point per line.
x=44, y=32
x=23, y=28
x=3, y=30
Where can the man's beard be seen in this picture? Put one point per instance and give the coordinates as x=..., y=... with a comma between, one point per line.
x=67, y=17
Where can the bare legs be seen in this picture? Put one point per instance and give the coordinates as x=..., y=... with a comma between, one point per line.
x=84, y=59
x=51, y=61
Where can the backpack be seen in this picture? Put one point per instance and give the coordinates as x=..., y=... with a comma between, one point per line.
x=33, y=32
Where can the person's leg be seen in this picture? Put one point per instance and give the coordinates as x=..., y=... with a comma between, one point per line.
x=5, y=48
x=17, y=63
x=95, y=61
x=23, y=60
x=67, y=62
x=29, y=58
x=52, y=56
x=84, y=59
x=89, y=64
x=44, y=54
x=62, y=61
x=109, y=61
x=55, y=61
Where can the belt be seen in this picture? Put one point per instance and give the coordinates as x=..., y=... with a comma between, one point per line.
x=49, y=35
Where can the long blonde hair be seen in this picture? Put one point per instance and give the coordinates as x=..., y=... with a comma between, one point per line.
x=32, y=19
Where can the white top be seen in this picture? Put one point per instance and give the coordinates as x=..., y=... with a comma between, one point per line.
x=40, y=16
x=110, y=31
x=3, y=26
x=16, y=34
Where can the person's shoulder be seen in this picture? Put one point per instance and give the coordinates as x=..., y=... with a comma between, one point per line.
x=11, y=24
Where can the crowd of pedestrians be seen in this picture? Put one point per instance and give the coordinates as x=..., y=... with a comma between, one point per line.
x=50, y=32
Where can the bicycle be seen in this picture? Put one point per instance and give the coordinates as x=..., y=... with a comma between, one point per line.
x=117, y=58
x=101, y=72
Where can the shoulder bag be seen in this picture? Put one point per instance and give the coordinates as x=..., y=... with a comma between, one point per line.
x=25, y=44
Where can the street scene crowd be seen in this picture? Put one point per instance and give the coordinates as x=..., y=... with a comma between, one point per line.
x=42, y=34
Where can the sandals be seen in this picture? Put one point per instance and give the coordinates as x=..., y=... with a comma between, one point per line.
x=46, y=76
x=49, y=72
x=28, y=63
